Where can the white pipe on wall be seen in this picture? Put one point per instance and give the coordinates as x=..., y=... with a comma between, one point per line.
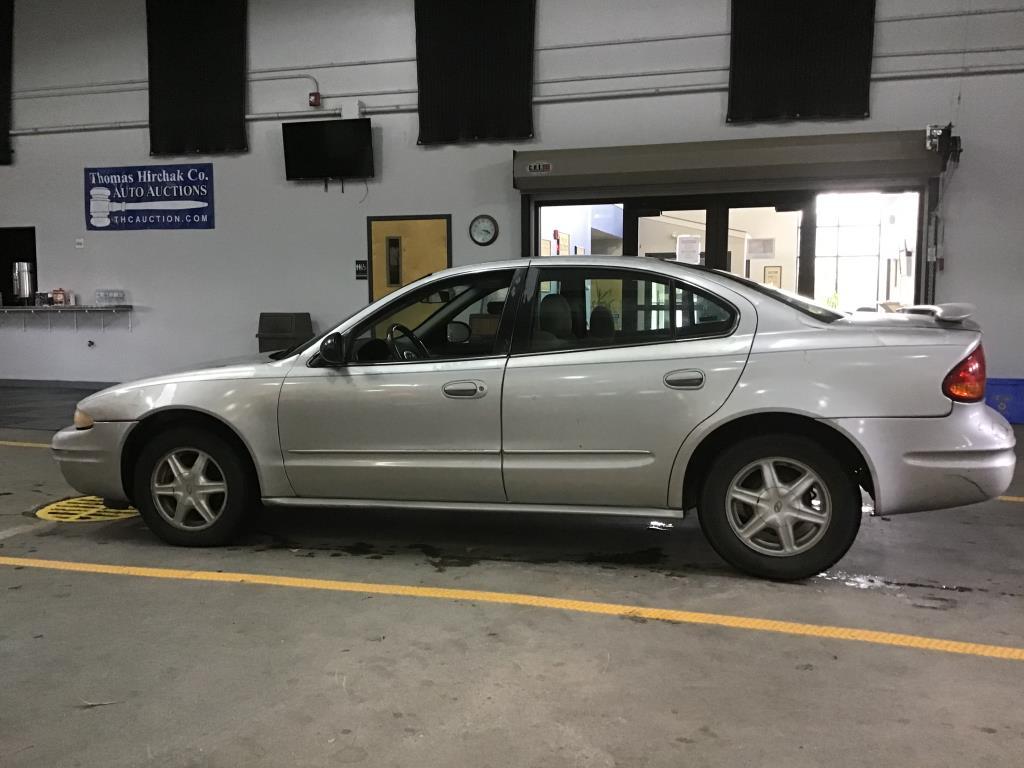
x=256, y=117
x=130, y=86
x=679, y=90
x=127, y=86
x=85, y=88
x=560, y=98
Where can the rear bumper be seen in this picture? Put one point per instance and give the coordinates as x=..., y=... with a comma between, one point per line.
x=90, y=459
x=935, y=463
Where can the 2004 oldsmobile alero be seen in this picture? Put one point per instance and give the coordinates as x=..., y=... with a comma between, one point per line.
x=622, y=386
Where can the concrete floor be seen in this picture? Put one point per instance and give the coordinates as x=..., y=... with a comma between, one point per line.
x=40, y=405
x=212, y=674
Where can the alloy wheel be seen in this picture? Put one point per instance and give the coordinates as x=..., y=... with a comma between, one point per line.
x=189, y=489
x=778, y=506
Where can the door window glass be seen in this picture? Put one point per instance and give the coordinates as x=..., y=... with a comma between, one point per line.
x=585, y=308
x=394, y=245
x=574, y=230
x=448, y=319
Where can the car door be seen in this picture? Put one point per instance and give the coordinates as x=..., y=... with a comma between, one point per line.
x=395, y=423
x=610, y=370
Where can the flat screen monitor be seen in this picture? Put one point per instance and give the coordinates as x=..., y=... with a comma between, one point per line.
x=328, y=149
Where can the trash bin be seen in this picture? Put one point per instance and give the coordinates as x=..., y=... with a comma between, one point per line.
x=283, y=330
x=1007, y=397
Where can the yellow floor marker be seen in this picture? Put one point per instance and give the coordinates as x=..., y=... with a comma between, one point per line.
x=83, y=509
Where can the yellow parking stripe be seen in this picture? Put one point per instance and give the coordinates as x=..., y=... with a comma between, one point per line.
x=18, y=444
x=537, y=601
x=1018, y=499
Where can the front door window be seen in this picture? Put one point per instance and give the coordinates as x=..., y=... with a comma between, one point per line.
x=451, y=319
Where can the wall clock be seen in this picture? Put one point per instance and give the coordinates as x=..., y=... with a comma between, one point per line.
x=483, y=229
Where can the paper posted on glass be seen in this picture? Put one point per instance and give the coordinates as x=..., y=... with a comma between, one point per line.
x=688, y=249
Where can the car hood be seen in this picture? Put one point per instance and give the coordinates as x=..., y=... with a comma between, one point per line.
x=226, y=362
x=126, y=401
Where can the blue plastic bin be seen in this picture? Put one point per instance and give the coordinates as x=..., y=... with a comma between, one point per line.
x=1007, y=397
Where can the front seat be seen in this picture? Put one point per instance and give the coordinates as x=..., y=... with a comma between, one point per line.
x=602, y=325
x=554, y=323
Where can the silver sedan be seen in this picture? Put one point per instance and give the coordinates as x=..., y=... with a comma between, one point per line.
x=571, y=385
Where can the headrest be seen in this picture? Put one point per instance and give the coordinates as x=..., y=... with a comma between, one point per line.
x=602, y=323
x=555, y=316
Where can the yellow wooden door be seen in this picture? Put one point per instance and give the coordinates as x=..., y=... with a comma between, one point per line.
x=404, y=249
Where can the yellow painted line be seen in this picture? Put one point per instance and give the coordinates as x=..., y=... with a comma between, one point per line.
x=1018, y=499
x=18, y=444
x=538, y=601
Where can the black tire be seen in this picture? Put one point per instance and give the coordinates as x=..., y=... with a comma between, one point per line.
x=232, y=468
x=839, y=534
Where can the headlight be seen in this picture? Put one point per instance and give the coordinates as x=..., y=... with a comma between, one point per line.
x=83, y=420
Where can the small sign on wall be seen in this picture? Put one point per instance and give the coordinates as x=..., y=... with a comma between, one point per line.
x=362, y=270
x=149, y=197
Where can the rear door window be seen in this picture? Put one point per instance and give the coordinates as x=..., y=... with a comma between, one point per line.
x=584, y=308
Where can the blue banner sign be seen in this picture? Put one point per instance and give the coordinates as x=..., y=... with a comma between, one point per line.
x=149, y=197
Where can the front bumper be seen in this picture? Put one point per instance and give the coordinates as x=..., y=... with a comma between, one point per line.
x=90, y=459
x=936, y=463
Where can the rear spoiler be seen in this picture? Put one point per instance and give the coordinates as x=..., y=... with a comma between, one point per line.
x=945, y=313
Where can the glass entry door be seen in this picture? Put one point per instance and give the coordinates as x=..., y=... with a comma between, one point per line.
x=764, y=245
x=864, y=253
x=674, y=236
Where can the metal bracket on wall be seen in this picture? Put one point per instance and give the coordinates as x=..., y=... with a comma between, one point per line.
x=74, y=311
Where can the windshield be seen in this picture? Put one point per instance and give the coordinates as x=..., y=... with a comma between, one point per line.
x=801, y=303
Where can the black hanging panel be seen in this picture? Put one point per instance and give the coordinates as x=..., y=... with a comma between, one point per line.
x=474, y=64
x=6, y=59
x=800, y=59
x=197, y=66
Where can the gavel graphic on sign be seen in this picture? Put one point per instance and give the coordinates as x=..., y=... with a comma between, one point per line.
x=100, y=206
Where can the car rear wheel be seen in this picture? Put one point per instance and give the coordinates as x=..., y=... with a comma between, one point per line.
x=780, y=507
x=192, y=488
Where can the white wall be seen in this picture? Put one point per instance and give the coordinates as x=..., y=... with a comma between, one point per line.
x=291, y=247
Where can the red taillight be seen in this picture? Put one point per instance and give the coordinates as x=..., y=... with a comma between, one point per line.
x=966, y=382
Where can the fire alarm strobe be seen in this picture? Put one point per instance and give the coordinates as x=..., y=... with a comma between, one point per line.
x=100, y=206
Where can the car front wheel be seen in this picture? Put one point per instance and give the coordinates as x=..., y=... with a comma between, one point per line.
x=192, y=488
x=780, y=507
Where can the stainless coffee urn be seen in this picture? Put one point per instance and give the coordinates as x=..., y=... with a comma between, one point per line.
x=24, y=282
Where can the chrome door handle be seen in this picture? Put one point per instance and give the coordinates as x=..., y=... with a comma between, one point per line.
x=689, y=379
x=467, y=388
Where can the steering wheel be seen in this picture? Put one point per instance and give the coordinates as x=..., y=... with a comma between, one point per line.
x=419, y=350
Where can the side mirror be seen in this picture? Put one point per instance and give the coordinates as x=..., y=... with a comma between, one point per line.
x=458, y=333
x=332, y=349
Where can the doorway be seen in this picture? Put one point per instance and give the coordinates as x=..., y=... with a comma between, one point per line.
x=16, y=244
x=402, y=249
x=864, y=250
